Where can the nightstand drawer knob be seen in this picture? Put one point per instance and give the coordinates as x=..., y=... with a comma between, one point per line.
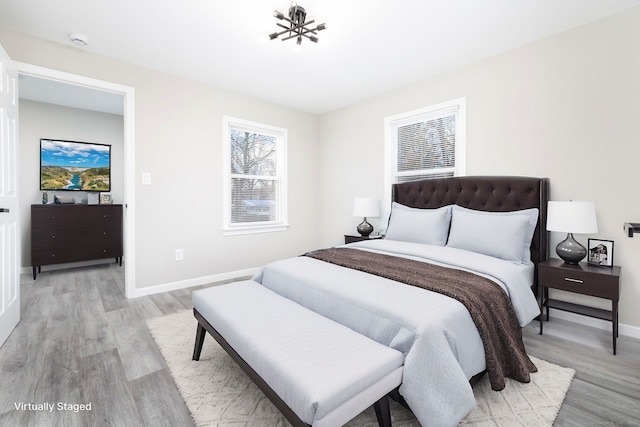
x=569, y=279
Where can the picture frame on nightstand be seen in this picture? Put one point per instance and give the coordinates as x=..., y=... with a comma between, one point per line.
x=600, y=252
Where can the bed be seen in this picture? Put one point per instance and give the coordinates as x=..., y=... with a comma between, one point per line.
x=461, y=225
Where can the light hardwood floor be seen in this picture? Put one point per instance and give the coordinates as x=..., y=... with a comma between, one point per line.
x=81, y=341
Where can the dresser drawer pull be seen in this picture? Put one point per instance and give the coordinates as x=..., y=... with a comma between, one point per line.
x=569, y=279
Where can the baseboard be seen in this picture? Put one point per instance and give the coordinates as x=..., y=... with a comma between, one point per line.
x=626, y=330
x=182, y=284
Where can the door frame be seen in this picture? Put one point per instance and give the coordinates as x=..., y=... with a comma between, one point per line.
x=129, y=152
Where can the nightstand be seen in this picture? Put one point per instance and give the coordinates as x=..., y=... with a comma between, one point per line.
x=585, y=279
x=350, y=238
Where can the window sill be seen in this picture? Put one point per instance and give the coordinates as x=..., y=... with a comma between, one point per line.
x=253, y=229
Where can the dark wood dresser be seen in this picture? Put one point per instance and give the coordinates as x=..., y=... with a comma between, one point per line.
x=69, y=233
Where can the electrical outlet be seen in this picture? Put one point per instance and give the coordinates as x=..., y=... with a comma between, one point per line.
x=179, y=255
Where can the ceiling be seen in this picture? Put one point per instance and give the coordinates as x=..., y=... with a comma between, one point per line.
x=369, y=47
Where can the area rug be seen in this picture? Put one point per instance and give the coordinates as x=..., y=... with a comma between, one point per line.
x=218, y=393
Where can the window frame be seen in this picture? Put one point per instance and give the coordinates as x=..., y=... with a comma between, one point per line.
x=392, y=123
x=280, y=134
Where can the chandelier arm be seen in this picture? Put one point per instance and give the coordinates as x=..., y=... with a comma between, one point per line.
x=281, y=33
x=296, y=24
x=290, y=37
x=284, y=18
x=307, y=30
x=297, y=35
x=283, y=26
x=295, y=30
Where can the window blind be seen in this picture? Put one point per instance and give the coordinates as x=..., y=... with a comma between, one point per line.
x=253, y=176
x=425, y=145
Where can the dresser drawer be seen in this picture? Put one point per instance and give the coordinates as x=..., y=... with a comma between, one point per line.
x=99, y=216
x=73, y=216
x=47, y=256
x=72, y=236
x=104, y=251
x=579, y=281
x=58, y=237
x=53, y=217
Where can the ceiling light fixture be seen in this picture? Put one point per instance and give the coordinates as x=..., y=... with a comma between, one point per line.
x=298, y=26
x=78, y=39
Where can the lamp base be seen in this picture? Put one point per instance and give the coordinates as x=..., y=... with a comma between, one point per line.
x=570, y=250
x=365, y=228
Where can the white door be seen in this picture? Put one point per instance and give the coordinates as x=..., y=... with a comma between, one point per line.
x=9, y=217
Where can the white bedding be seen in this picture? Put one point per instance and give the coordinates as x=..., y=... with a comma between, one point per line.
x=435, y=333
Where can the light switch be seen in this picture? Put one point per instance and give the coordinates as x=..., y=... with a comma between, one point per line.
x=146, y=178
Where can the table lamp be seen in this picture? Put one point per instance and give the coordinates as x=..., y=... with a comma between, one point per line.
x=571, y=217
x=365, y=207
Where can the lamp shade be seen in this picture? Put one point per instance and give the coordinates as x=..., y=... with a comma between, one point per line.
x=366, y=207
x=572, y=217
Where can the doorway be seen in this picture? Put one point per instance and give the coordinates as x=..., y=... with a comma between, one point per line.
x=87, y=87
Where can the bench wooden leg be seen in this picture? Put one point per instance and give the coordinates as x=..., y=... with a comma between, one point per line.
x=197, y=348
x=383, y=413
x=396, y=396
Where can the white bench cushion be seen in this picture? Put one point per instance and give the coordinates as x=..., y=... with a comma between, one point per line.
x=324, y=371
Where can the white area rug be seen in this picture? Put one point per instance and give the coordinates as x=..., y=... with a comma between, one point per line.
x=218, y=393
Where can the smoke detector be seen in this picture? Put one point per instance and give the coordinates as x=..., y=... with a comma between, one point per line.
x=78, y=39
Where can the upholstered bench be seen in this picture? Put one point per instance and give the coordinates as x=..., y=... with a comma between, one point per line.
x=316, y=371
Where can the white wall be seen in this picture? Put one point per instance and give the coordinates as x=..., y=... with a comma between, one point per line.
x=178, y=140
x=566, y=108
x=40, y=120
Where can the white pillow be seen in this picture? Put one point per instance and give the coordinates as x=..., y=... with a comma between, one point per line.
x=505, y=235
x=428, y=226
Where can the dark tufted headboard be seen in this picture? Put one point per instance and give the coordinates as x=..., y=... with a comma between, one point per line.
x=486, y=193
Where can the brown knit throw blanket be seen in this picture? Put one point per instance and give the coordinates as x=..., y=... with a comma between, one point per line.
x=488, y=304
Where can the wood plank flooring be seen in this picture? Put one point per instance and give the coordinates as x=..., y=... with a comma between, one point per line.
x=81, y=341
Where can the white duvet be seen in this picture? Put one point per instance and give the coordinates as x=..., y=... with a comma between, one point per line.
x=435, y=333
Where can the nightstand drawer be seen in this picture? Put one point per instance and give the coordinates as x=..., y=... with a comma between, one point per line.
x=580, y=281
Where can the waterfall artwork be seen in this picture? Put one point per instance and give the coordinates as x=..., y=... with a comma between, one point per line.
x=74, y=165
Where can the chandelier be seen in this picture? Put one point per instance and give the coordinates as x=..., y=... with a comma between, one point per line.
x=297, y=27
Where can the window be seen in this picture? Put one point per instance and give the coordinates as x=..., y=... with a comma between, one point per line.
x=255, y=177
x=426, y=143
